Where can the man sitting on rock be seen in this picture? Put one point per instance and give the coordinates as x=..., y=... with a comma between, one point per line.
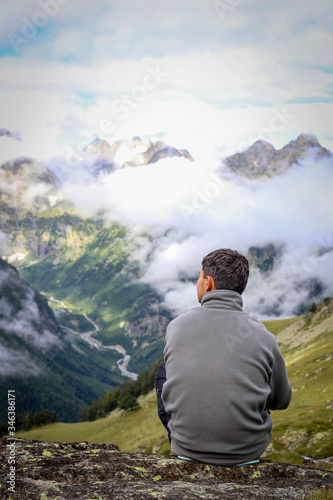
x=222, y=371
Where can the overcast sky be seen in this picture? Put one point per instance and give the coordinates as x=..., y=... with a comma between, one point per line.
x=211, y=76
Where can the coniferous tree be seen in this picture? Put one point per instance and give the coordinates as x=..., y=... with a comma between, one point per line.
x=128, y=401
x=27, y=420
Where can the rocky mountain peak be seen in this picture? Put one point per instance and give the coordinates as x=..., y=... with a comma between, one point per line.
x=262, y=160
x=261, y=146
x=305, y=145
x=99, y=147
x=309, y=141
x=130, y=153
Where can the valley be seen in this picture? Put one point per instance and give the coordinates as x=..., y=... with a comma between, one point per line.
x=89, y=337
x=113, y=273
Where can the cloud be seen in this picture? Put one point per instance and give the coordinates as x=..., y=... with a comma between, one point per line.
x=190, y=208
x=205, y=102
x=3, y=245
x=34, y=191
x=4, y=132
x=122, y=29
x=192, y=196
x=14, y=363
x=37, y=116
x=300, y=277
x=230, y=76
x=26, y=322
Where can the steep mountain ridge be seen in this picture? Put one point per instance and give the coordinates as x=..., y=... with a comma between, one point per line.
x=263, y=161
x=27, y=188
x=47, y=367
x=25, y=313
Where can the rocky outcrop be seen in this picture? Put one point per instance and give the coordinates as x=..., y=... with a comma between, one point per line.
x=46, y=470
x=262, y=160
x=130, y=153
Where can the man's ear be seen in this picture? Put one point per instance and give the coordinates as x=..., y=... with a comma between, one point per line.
x=210, y=285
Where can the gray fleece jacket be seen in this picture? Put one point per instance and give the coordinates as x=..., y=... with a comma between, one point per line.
x=223, y=369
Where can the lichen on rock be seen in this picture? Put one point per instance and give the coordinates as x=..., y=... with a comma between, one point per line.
x=101, y=471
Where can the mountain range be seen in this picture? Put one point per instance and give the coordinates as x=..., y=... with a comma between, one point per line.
x=91, y=270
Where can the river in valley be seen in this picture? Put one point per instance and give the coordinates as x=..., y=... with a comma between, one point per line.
x=89, y=337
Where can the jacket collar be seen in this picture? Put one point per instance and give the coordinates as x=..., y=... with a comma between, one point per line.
x=223, y=299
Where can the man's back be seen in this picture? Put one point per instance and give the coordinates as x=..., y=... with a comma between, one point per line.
x=223, y=369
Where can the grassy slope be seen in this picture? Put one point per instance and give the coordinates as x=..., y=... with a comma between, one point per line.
x=306, y=426
x=131, y=430
x=304, y=429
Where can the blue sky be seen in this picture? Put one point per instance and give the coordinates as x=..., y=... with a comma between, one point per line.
x=211, y=76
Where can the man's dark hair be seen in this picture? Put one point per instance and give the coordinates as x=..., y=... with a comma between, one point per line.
x=228, y=268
